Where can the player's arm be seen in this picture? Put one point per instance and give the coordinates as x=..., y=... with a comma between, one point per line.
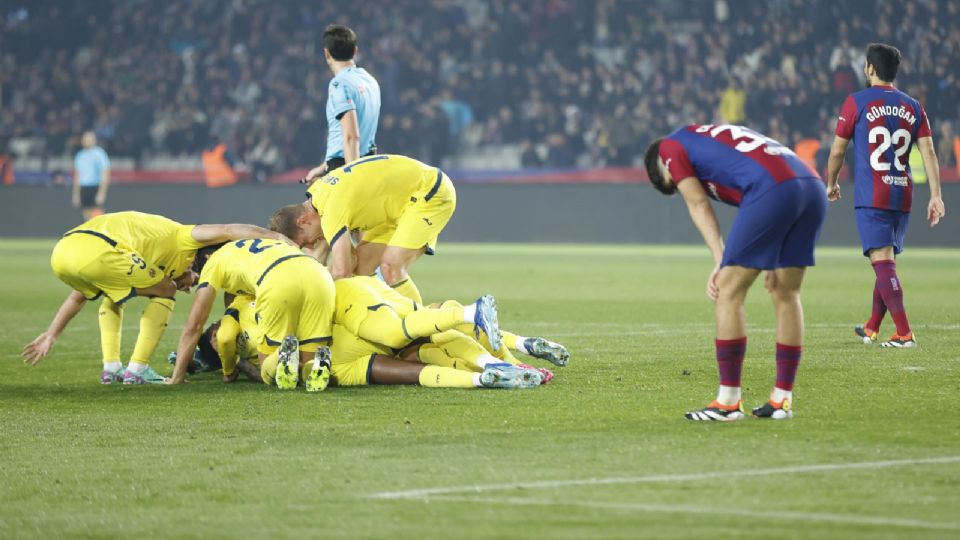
x=217, y=234
x=37, y=349
x=199, y=311
x=931, y=165
x=837, y=153
x=104, y=182
x=341, y=255
x=350, y=128
x=703, y=216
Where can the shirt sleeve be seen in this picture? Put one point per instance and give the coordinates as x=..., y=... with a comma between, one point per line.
x=847, y=119
x=210, y=275
x=185, y=240
x=923, y=130
x=675, y=157
x=341, y=98
x=334, y=222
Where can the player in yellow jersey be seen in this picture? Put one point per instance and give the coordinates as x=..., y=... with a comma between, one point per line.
x=295, y=305
x=398, y=203
x=230, y=344
x=120, y=256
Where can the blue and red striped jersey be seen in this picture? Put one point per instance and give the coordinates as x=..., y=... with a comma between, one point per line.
x=883, y=124
x=732, y=162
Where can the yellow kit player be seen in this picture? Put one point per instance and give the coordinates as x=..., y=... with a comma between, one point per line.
x=121, y=256
x=295, y=304
x=398, y=203
x=231, y=343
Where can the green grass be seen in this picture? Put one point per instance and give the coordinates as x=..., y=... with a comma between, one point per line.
x=205, y=460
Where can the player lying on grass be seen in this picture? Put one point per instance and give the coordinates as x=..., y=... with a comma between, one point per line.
x=883, y=124
x=357, y=361
x=781, y=209
x=121, y=256
x=398, y=203
x=303, y=226
x=295, y=303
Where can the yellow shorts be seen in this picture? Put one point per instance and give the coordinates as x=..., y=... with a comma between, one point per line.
x=421, y=222
x=297, y=298
x=359, y=295
x=94, y=265
x=352, y=358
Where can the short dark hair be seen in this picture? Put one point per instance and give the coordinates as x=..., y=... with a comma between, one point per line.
x=209, y=357
x=651, y=161
x=885, y=59
x=203, y=254
x=341, y=41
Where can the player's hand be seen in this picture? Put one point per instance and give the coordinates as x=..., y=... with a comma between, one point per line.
x=186, y=280
x=314, y=173
x=232, y=377
x=833, y=193
x=174, y=380
x=935, y=211
x=712, y=289
x=37, y=349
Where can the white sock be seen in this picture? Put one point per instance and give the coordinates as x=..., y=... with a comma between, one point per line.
x=728, y=395
x=476, y=380
x=469, y=313
x=520, y=345
x=114, y=366
x=136, y=367
x=779, y=394
x=484, y=359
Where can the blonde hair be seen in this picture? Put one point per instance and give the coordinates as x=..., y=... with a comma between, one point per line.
x=284, y=220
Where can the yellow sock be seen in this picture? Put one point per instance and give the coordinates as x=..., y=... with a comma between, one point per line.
x=435, y=355
x=152, y=324
x=268, y=368
x=111, y=323
x=444, y=377
x=459, y=345
x=409, y=289
x=504, y=352
x=426, y=322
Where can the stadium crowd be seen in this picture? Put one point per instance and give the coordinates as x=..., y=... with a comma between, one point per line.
x=584, y=83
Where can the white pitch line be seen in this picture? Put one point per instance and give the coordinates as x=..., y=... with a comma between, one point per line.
x=815, y=517
x=663, y=478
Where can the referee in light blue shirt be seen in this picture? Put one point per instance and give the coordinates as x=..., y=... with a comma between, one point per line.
x=91, y=177
x=353, y=104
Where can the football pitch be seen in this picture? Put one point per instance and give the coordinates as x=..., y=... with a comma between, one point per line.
x=601, y=452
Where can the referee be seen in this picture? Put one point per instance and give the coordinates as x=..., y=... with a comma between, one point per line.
x=353, y=104
x=91, y=177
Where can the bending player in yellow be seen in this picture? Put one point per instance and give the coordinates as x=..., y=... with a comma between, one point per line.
x=398, y=203
x=295, y=303
x=230, y=344
x=121, y=256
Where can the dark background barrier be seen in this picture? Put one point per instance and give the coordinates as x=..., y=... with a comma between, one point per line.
x=594, y=213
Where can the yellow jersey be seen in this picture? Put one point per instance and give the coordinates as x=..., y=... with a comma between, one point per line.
x=162, y=242
x=240, y=267
x=239, y=334
x=370, y=192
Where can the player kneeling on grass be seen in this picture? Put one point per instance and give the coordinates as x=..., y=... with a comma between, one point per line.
x=295, y=301
x=782, y=206
x=230, y=344
x=121, y=256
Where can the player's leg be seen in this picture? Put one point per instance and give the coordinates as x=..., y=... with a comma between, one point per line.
x=369, y=254
x=882, y=233
x=111, y=323
x=315, y=324
x=385, y=326
x=153, y=322
x=784, y=287
x=733, y=283
x=395, y=266
x=869, y=332
x=456, y=344
x=277, y=317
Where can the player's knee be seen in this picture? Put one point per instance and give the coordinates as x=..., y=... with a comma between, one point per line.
x=393, y=271
x=783, y=294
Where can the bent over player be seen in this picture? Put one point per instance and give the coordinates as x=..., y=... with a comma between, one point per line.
x=883, y=124
x=399, y=203
x=782, y=206
x=121, y=256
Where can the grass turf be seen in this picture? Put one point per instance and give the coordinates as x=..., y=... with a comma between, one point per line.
x=205, y=460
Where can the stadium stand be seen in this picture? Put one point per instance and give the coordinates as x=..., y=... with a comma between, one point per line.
x=472, y=84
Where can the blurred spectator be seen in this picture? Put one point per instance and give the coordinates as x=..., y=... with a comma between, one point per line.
x=154, y=81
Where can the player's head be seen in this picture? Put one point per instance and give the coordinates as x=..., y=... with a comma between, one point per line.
x=657, y=171
x=298, y=222
x=209, y=356
x=339, y=43
x=203, y=254
x=882, y=63
x=88, y=139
